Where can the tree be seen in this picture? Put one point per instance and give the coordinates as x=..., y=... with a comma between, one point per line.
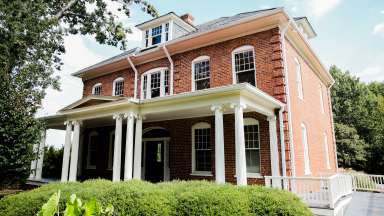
x=31, y=45
x=53, y=159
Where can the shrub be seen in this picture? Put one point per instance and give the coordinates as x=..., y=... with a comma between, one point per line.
x=171, y=198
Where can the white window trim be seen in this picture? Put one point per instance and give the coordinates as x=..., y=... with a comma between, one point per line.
x=326, y=151
x=299, y=79
x=170, y=34
x=304, y=140
x=93, y=133
x=252, y=121
x=321, y=99
x=200, y=125
x=197, y=60
x=94, y=86
x=148, y=87
x=239, y=50
x=110, y=151
x=114, y=85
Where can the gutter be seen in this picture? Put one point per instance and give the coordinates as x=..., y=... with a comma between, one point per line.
x=170, y=71
x=136, y=74
x=291, y=145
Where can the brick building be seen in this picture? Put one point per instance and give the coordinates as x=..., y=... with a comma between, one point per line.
x=231, y=100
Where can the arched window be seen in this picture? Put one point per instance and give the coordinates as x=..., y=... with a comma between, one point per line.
x=243, y=65
x=201, y=73
x=96, y=89
x=299, y=79
x=201, y=149
x=252, y=145
x=92, y=147
x=326, y=152
x=304, y=140
x=118, y=87
x=155, y=83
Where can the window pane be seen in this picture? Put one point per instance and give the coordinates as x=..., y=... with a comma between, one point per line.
x=203, y=160
x=202, y=149
x=245, y=67
x=202, y=75
x=119, y=88
x=248, y=77
x=202, y=84
x=253, y=160
x=155, y=84
x=156, y=35
x=252, y=148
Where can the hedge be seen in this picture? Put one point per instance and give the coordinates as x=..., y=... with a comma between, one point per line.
x=170, y=198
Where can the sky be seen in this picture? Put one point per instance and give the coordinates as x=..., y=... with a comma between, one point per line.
x=350, y=36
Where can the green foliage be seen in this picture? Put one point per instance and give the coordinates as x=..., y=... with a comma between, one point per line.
x=53, y=159
x=31, y=45
x=50, y=208
x=358, y=110
x=171, y=198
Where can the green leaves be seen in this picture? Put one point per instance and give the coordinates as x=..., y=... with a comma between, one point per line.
x=51, y=207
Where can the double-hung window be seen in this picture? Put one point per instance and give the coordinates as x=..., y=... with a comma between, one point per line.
x=92, y=146
x=118, y=87
x=252, y=145
x=201, y=73
x=96, y=89
x=299, y=80
x=243, y=63
x=201, y=148
x=156, y=34
x=155, y=83
x=304, y=139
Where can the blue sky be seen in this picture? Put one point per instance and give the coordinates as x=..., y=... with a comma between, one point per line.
x=350, y=35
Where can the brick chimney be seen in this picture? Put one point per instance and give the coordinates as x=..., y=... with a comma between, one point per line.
x=188, y=18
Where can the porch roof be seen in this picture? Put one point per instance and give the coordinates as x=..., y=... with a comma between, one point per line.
x=183, y=105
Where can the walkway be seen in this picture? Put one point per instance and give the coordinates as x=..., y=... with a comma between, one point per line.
x=366, y=204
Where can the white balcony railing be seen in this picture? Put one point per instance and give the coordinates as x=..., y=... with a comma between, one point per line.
x=366, y=182
x=321, y=192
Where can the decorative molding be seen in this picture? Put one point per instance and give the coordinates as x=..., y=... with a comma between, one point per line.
x=238, y=105
x=217, y=107
x=130, y=115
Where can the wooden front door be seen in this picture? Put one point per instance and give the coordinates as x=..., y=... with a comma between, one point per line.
x=154, y=161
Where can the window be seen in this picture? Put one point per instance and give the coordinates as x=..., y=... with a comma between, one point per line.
x=96, y=89
x=111, y=150
x=155, y=83
x=146, y=38
x=166, y=31
x=321, y=99
x=243, y=63
x=304, y=139
x=252, y=145
x=201, y=73
x=92, y=146
x=299, y=81
x=326, y=151
x=118, y=86
x=201, y=148
x=156, y=35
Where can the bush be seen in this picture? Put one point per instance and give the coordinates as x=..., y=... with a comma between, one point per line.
x=171, y=198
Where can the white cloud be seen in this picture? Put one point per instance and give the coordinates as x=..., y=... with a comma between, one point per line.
x=379, y=29
x=382, y=11
x=317, y=8
x=372, y=73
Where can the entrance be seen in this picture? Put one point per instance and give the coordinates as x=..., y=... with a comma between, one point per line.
x=154, y=162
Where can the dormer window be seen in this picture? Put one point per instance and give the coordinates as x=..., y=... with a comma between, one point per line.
x=156, y=35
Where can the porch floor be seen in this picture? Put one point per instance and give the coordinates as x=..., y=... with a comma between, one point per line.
x=366, y=204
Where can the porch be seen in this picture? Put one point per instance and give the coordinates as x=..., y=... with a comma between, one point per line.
x=226, y=134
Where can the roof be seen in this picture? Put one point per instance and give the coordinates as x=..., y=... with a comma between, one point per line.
x=205, y=27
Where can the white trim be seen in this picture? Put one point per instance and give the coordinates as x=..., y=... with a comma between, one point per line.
x=321, y=99
x=299, y=79
x=198, y=60
x=239, y=50
x=199, y=125
x=94, y=86
x=326, y=151
x=148, y=73
x=304, y=140
x=92, y=134
x=247, y=122
x=114, y=85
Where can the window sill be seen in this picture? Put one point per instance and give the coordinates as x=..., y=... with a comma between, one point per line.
x=201, y=173
x=253, y=175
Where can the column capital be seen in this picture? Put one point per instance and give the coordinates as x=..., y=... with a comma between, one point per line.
x=218, y=107
x=140, y=117
x=271, y=118
x=118, y=116
x=130, y=115
x=238, y=105
x=76, y=122
x=67, y=123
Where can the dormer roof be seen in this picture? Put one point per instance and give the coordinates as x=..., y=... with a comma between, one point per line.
x=306, y=26
x=165, y=18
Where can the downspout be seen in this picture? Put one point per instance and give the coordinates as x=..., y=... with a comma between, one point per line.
x=292, y=149
x=136, y=74
x=170, y=70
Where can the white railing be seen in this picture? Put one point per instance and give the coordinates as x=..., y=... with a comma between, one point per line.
x=366, y=182
x=323, y=192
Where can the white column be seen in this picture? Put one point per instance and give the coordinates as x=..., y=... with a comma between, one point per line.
x=128, y=166
x=117, y=148
x=241, y=165
x=273, y=148
x=40, y=159
x=32, y=176
x=219, y=144
x=138, y=145
x=67, y=151
x=74, y=151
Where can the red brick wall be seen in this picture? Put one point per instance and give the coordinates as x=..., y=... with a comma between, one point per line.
x=308, y=111
x=180, y=148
